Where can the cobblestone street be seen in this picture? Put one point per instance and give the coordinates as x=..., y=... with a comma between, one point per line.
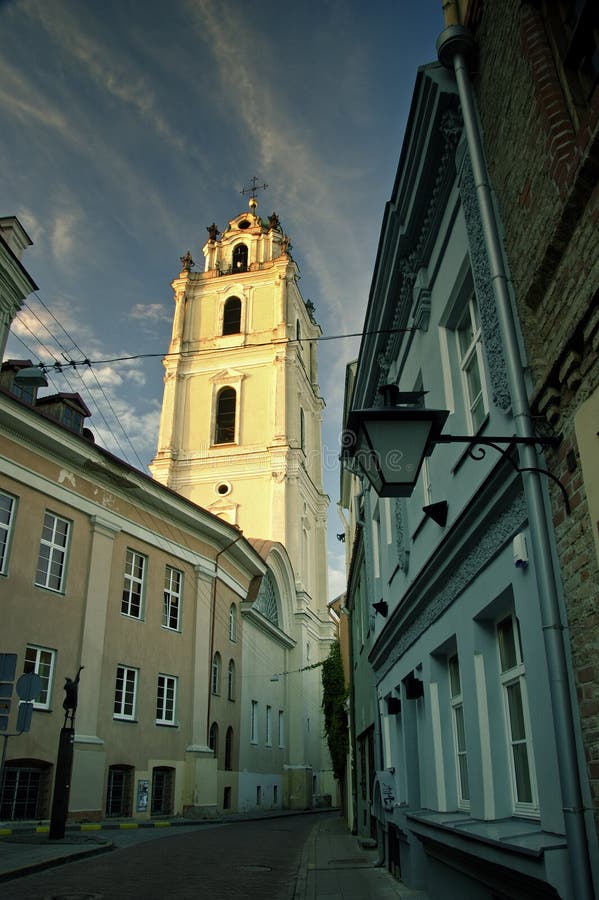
x=237, y=860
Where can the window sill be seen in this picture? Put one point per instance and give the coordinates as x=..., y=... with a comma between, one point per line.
x=172, y=630
x=43, y=587
x=124, y=719
x=515, y=834
x=129, y=616
x=166, y=724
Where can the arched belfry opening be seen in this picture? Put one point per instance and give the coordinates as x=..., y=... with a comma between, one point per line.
x=240, y=258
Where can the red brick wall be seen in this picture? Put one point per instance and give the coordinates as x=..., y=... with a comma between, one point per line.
x=544, y=168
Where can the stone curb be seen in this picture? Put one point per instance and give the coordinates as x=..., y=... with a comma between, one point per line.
x=53, y=861
x=6, y=831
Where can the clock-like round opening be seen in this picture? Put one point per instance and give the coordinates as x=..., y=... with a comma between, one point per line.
x=244, y=224
x=223, y=488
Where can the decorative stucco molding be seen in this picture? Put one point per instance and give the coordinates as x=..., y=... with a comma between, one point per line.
x=484, y=289
x=401, y=539
x=433, y=599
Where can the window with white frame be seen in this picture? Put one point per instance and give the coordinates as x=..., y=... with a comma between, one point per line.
x=166, y=700
x=254, y=722
x=232, y=622
x=232, y=316
x=133, y=585
x=459, y=731
x=216, y=668
x=231, y=681
x=213, y=738
x=513, y=681
x=7, y=513
x=375, y=525
x=281, y=728
x=268, y=734
x=51, y=563
x=424, y=479
x=125, y=693
x=470, y=356
x=226, y=411
x=41, y=661
x=173, y=589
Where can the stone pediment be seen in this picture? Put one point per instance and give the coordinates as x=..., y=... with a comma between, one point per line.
x=227, y=375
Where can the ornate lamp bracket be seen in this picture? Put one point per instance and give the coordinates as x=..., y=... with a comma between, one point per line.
x=477, y=451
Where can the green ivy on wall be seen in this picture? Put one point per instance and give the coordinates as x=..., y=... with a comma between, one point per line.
x=334, y=695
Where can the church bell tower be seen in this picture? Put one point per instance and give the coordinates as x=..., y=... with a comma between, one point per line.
x=240, y=430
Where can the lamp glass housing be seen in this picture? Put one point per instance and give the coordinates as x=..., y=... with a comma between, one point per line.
x=390, y=443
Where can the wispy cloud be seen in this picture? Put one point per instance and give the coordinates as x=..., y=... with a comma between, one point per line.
x=112, y=72
x=33, y=102
x=152, y=313
x=64, y=234
x=20, y=96
x=316, y=190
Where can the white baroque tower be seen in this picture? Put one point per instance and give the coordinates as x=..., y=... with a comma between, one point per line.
x=240, y=430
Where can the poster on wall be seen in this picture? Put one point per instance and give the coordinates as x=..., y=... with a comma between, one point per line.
x=143, y=790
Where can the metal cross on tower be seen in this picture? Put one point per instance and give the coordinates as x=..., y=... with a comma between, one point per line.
x=254, y=186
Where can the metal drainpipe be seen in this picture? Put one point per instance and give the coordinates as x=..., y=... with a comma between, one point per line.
x=452, y=46
x=378, y=755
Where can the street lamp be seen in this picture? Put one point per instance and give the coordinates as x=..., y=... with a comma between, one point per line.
x=387, y=444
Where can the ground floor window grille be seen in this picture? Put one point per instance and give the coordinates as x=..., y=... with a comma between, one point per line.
x=118, y=792
x=24, y=792
x=162, y=791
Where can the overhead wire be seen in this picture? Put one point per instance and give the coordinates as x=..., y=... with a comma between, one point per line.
x=176, y=536
x=69, y=363
x=60, y=367
x=270, y=343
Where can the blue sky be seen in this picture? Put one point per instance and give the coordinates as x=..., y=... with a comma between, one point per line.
x=128, y=127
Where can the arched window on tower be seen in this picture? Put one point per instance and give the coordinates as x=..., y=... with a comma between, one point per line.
x=229, y=748
x=240, y=258
x=215, y=681
x=213, y=738
x=232, y=316
x=231, y=681
x=224, y=431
